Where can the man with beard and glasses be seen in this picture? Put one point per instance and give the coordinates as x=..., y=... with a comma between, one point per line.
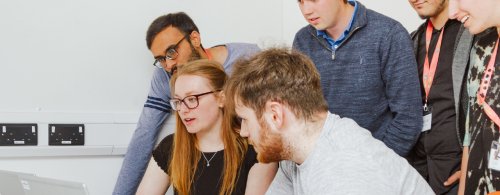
x=173, y=39
x=278, y=97
x=442, y=49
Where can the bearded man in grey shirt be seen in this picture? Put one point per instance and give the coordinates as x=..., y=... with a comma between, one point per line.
x=278, y=97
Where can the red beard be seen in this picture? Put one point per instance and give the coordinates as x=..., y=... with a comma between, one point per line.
x=270, y=148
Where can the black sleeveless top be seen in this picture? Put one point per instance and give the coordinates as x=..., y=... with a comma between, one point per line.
x=207, y=179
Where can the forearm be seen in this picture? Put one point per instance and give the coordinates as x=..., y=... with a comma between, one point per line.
x=405, y=104
x=403, y=93
x=463, y=175
x=155, y=180
x=139, y=151
x=260, y=178
x=401, y=141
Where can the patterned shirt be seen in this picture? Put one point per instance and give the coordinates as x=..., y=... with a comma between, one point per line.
x=480, y=128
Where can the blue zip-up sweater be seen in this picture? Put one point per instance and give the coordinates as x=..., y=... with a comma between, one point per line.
x=371, y=77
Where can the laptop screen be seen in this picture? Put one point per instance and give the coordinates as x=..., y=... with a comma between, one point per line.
x=33, y=185
x=10, y=183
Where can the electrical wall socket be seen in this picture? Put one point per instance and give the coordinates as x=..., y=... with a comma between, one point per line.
x=18, y=134
x=66, y=134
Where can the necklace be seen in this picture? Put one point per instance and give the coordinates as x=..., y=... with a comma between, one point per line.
x=208, y=160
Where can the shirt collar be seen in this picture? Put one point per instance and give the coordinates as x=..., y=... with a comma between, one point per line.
x=322, y=33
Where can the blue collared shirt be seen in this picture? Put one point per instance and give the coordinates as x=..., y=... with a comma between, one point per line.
x=334, y=43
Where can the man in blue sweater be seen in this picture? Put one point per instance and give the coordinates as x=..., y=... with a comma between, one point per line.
x=173, y=39
x=368, y=70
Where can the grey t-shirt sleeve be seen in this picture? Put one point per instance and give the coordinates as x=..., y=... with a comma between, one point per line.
x=282, y=183
x=235, y=51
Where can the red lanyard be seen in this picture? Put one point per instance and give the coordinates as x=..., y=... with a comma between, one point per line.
x=485, y=84
x=430, y=70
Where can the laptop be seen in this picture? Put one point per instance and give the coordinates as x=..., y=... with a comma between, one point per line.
x=10, y=183
x=33, y=185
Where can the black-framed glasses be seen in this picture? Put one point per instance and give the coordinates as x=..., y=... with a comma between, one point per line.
x=170, y=53
x=190, y=101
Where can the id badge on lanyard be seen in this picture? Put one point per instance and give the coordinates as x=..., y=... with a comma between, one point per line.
x=494, y=156
x=430, y=67
x=427, y=118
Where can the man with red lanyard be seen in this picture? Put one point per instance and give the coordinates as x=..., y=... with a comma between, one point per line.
x=481, y=159
x=441, y=48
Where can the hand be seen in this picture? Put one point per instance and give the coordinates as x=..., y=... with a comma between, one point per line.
x=452, y=179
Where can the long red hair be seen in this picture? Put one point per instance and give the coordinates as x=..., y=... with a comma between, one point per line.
x=185, y=154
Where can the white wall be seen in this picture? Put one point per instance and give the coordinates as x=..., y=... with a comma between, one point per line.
x=85, y=61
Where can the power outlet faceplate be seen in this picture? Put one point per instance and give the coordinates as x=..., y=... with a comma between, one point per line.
x=18, y=134
x=66, y=134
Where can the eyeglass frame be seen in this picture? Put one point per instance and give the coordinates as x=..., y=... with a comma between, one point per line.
x=197, y=96
x=171, y=49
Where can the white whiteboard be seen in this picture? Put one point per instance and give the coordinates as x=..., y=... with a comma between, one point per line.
x=90, y=55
